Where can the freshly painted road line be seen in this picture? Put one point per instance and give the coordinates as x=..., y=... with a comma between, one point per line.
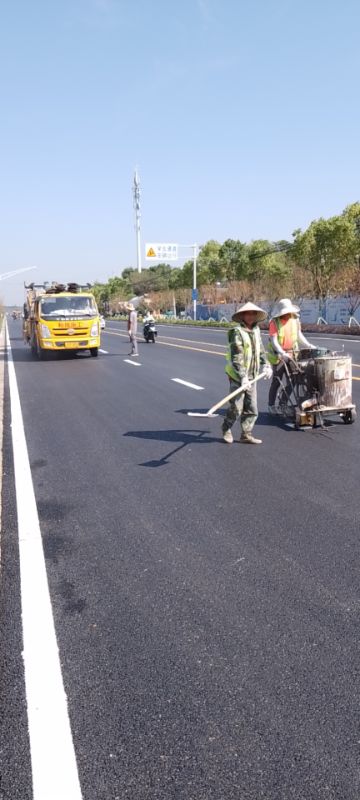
x=332, y=338
x=53, y=762
x=178, y=339
x=196, y=341
x=263, y=333
x=199, y=349
x=134, y=363
x=179, y=346
x=186, y=383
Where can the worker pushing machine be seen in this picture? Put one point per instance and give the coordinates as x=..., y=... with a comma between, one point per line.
x=246, y=356
x=285, y=338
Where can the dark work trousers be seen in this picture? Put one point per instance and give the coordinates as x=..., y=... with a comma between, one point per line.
x=244, y=405
x=278, y=374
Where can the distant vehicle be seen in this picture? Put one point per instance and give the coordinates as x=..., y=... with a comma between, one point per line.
x=102, y=322
x=14, y=315
x=60, y=317
x=150, y=331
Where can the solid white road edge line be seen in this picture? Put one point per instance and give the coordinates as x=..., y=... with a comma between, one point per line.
x=53, y=762
x=134, y=363
x=186, y=383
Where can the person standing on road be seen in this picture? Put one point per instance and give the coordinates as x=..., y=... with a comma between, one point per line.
x=285, y=338
x=245, y=357
x=132, y=329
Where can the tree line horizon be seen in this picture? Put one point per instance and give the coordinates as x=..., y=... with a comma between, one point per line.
x=320, y=261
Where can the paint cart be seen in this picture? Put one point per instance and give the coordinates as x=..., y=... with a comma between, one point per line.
x=317, y=384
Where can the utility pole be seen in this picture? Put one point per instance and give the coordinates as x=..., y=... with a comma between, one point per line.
x=194, y=291
x=136, y=194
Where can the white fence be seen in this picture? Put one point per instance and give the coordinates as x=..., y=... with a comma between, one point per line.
x=333, y=311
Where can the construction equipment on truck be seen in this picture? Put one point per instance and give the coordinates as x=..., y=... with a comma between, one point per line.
x=60, y=317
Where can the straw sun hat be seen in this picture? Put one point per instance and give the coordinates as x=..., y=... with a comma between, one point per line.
x=284, y=306
x=260, y=313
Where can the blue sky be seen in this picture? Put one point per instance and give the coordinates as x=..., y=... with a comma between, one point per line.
x=242, y=116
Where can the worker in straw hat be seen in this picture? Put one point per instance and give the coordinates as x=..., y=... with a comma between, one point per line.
x=285, y=338
x=132, y=329
x=245, y=357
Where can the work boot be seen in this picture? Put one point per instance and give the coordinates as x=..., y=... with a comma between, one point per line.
x=227, y=436
x=248, y=438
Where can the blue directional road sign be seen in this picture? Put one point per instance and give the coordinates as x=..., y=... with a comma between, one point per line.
x=194, y=294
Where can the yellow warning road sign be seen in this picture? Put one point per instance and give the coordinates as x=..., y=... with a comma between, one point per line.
x=161, y=251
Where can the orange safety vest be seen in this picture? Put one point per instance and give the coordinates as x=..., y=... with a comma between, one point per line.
x=289, y=330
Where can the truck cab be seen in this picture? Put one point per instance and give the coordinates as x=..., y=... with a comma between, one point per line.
x=61, y=318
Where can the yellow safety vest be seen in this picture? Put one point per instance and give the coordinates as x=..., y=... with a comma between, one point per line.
x=292, y=327
x=247, y=350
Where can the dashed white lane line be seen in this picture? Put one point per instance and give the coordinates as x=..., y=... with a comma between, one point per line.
x=186, y=383
x=53, y=761
x=103, y=351
x=134, y=363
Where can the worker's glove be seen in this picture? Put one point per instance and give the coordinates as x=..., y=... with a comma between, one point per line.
x=285, y=357
x=267, y=371
x=245, y=384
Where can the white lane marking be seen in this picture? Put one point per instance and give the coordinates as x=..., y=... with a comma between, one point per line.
x=106, y=352
x=263, y=333
x=332, y=338
x=53, y=762
x=134, y=363
x=2, y=372
x=186, y=383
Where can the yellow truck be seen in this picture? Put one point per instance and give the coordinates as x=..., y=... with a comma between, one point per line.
x=58, y=317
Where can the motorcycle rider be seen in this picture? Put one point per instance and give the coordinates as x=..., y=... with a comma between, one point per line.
x=148, y=321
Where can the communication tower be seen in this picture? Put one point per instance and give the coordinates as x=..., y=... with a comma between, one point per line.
x=136, y=194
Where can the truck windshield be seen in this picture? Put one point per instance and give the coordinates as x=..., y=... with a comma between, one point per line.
x=76, y=306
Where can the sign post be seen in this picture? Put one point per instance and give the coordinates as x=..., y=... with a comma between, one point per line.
x=168, y=251
x=194, y=291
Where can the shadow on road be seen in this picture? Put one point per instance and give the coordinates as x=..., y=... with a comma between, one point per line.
x=184, y=438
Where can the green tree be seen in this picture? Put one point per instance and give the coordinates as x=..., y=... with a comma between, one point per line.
x=185, y=277
x=327, y=246
x=234, y=261
x=101, y=294
x=175, y=277
x=209, y=268
x=266, y=261
x=155, y=279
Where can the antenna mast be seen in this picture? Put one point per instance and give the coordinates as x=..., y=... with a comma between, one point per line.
x=136, y=193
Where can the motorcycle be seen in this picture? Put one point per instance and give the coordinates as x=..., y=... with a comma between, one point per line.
x=150, y=332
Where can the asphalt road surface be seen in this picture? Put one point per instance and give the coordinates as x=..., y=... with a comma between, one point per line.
x=205, y=596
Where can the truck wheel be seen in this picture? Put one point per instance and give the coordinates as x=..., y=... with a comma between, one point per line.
x=349, y=416
x=40, y=353
x=94, y=352
x=33, y=347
